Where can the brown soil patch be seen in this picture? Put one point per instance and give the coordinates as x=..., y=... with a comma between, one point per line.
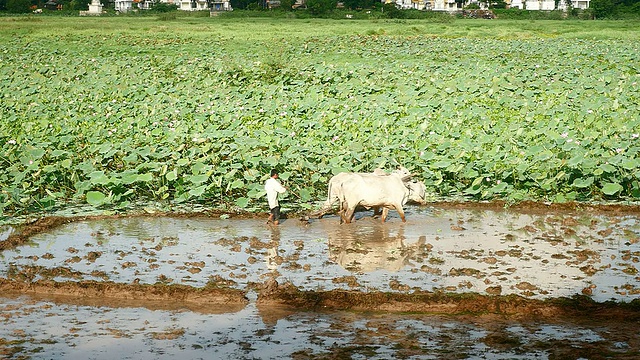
x=287, y=296
x=540, y=207
x=124, y=292
x=513, y=306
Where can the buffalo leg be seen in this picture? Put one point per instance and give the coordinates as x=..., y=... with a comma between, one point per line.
x=348, y=214
x=385, y=213
x=342, y=211
x=401, y=213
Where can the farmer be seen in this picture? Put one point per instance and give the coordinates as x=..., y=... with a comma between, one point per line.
x=273, y=188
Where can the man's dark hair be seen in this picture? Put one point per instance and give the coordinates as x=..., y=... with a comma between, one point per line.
x=274, y=172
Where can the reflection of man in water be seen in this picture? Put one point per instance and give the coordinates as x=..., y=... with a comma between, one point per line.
x=273, y=188
x=272, y=258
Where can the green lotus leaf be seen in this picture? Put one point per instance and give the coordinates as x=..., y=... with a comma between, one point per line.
x=237, y=184
x=198, y=191
x=611, y=188
x=500, y=188
x=242, y=202
x=630, y=164
x=132, y=158
x=66, y=163
x=172, y=175
x=58, y=153
x=608, y=168
x=583, y=183
x=146, y=177
x=129, y=177
x=96, y=198
x=99, y=178
x=198, y=179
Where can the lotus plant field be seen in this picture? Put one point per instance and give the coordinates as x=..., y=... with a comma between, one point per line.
x=116, y=112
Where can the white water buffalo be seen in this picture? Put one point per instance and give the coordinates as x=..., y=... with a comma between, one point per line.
x=335, y=189
x=373, y=191
x=386, y=191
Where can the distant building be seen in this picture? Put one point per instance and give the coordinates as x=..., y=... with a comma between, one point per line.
x=221, y=5
x=53, y=5
x=199, y=5
x=128, y=5
x=185, y=5
x=410, y=4
x=547, y=4
x=452, y=5
x=123, y=5
x=444, y=5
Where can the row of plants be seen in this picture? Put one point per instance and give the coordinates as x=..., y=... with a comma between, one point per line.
x=156, y=117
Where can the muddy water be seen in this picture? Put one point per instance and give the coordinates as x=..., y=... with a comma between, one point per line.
x=49, y=330
x=536, y=256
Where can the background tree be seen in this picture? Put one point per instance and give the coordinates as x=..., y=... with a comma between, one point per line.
x=321, y=7
x=287, y=4
x=602, y=8
x=242, y=4
x=391, y=11
x=498, y=4
x=18, y=6
x=78, y=5
x=351, y=4
x=359, y=4
x=162, y=7
x=628, y=7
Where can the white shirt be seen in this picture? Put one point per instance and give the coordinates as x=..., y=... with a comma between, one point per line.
x=273, y=188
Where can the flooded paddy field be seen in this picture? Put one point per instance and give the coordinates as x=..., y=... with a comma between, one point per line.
x=449, y=283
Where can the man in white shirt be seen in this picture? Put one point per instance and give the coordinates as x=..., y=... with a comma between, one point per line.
x=273, y=188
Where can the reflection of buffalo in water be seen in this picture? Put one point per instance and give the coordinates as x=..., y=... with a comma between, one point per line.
x=371, y=246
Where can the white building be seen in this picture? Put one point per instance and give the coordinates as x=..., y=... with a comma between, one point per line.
x=199, y=5
x=547, y=4
x=410, y=4
x=451, y=5
x=123, y=5
x=444, y=5
x=221, y=6
x=576, y=4
x=186, y=5
x=128, y=5
x=193, y=5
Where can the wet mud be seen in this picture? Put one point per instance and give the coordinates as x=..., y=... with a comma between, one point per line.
x=455, y=281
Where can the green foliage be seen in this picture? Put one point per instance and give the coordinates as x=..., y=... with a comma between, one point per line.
x=392, y=11
x=520, y=14
x=167, y=16
x=359, y=4
x=602, y=9
x=615, y=9
x=148, y=115
x=18, y=6
x=161, y=7
x=77, y=5
x=321, y=7
x=287, y=5
x=498, y=4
